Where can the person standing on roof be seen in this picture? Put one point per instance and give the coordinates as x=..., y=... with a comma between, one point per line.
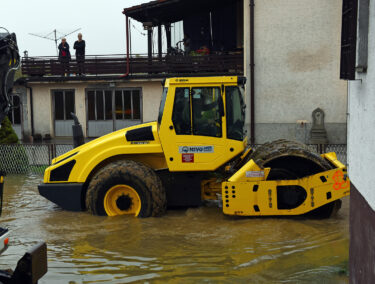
x=64, y=56
x=80, y=46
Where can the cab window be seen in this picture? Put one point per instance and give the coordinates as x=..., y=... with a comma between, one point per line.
x=205, y=109
x=235, y=113
x=162, y=104
x=181, y=111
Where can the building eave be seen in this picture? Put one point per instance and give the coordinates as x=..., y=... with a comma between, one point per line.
x=117, y=78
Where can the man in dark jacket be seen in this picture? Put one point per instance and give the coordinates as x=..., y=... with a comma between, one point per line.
x=64, y=56
x=80, y=47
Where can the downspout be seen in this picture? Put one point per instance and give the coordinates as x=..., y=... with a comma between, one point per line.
x=31, y=109
x=252, y=89
x=127, y=49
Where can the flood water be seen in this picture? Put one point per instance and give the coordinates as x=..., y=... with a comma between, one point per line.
x=187, y=246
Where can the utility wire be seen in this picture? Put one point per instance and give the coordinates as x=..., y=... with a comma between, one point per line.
x=144, y=34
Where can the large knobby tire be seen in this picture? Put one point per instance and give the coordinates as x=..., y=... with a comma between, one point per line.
x=294, y=160
x=126, y=187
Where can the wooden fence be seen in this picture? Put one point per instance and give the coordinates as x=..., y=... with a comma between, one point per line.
x=139, y=64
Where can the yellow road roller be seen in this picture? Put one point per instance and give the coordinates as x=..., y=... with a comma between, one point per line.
x=196, y=152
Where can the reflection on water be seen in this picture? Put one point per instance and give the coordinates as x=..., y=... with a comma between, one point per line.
x=187, y=246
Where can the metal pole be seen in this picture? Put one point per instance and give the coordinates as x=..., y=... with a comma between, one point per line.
x=149, y=41
x=168, y=34
x=159, y=42
x=252, y=80
x=127, y=48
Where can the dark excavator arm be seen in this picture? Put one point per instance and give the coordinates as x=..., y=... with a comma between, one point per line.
x=9, y=63
x=33, y=265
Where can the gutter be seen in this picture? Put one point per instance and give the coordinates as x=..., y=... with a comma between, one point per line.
x=31, y=109
x=252, y=80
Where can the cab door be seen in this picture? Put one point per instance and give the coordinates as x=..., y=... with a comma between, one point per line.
x=193, y=128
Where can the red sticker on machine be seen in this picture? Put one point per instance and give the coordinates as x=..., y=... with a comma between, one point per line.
x=187, y=158
x=340, y=180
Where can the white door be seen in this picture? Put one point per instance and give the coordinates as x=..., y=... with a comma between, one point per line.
x=100, y=112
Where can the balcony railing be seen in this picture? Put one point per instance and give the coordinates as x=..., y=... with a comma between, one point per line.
x=139, y=65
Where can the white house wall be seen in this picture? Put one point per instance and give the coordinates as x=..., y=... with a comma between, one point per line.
x=361, y=126
x=297, y=61
x=42, y=101
x=361, y=154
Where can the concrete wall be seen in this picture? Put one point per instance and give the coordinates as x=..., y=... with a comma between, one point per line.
x=43, y=108
x=297, y=60
x=361, y=157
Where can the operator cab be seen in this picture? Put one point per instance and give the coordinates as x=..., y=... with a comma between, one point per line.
x=205, y=105
x=202, y=118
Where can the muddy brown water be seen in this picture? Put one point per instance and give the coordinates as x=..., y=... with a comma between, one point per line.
x=187, y=246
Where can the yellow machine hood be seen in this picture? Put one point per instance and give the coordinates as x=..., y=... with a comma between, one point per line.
x=134, y=140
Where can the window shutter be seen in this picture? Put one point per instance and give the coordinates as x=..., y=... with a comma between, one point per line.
x=348, y=39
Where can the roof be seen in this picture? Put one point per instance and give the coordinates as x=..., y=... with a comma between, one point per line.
x=170, y=11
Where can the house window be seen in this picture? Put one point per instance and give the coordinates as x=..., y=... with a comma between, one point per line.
x=112, y=109
x=128, y=104
x=15, y=112
x=99, y=105
x=63, y=104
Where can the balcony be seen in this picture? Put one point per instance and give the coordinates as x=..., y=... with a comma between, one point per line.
x=140, y=66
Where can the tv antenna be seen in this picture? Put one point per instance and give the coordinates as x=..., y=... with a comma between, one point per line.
x=55, y=35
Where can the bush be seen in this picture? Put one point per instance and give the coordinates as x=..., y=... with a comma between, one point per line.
x=13, y=158
x=7, y=134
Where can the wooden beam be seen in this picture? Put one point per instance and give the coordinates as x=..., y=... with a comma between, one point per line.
x=168, y=33
x=160, y=43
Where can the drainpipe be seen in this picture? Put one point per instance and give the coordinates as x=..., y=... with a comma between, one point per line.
x=252, y=89
x=31, y=109
x=127, y=49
